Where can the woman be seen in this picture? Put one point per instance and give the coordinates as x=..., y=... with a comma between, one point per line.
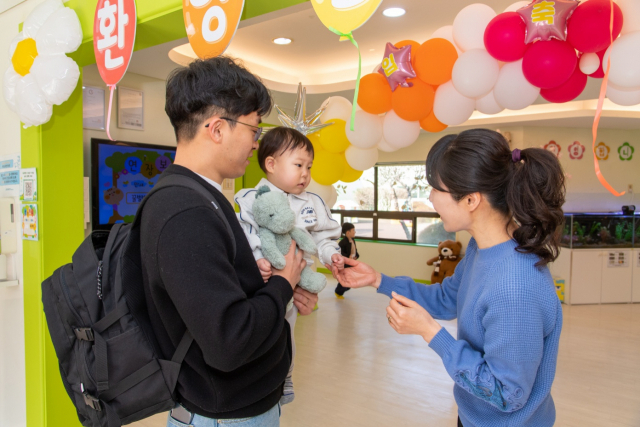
x=509, y=317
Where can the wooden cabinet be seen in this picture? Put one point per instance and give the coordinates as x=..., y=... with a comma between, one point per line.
x=586, y=277
x=617, y=276
x=635, y=267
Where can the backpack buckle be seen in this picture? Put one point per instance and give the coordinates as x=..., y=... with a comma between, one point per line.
x=90, y=400
x=85, y=334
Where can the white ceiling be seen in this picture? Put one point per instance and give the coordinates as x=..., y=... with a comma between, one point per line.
x=316, y=57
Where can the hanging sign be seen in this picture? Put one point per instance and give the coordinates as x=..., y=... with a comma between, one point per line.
x=602, y=151
x=576, y=150
x=114, y=36
x=625, y=151
x=553, y=147
x=211, y=24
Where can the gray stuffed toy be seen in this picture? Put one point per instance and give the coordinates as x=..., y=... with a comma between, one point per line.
x=277, y=222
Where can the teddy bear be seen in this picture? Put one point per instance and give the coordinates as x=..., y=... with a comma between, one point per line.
x=277, y=223
x=447, y=260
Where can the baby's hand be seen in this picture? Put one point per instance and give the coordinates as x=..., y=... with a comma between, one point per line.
x=338, y=261
x=265, y=268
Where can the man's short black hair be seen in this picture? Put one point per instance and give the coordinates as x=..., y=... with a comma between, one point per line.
x=212, y=86
x=280, y=140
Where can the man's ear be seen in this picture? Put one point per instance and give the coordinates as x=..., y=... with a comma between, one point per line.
x=472, y=201
x=216, y=130
x=270, y=164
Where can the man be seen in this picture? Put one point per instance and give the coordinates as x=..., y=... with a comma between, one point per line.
x=237, y=364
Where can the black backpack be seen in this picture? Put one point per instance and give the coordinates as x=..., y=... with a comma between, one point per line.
x=97, y=317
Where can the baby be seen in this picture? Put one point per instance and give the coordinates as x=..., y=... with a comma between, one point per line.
x=286, y=156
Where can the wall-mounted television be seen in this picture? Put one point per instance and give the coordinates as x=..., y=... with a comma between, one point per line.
x=122, y=173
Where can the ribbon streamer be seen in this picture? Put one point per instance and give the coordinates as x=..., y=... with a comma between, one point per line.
x=349, y=36
x=596, y=120
x=112, y=87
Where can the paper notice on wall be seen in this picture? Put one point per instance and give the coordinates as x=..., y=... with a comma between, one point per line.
x=10, y=175
x=28, y=185
x=30, y=222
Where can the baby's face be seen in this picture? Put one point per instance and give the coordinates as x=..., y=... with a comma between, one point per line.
x=292, y=171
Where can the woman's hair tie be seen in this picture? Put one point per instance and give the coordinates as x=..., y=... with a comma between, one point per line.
x=515, y=155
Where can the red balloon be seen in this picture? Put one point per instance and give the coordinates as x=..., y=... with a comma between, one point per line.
x=549, y=64
x=504, y=37
x=599, y=73
x=569, y=90
x=588, y=29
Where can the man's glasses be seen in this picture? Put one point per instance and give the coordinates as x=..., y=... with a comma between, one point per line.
x=257, y=128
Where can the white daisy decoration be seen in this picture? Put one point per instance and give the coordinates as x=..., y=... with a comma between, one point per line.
x=41, y=75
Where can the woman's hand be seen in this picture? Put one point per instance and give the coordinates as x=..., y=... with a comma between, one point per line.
x=408, y=317
x=358, y=276
x=304, y=300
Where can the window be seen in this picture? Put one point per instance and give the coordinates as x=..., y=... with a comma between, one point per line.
x=390, y=202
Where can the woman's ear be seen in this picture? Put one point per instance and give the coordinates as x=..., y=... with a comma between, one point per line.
x=472, y=201
x=270, y=164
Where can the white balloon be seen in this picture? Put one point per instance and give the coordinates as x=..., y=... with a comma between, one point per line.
x=338, y=107
x=10, y=82
x=469, y=26
x=517, y=5
x=475, y=72
x=446, y=33
x=57, y=76
x=620, y=97
x=625, y=61
x=399, y=133
x=14, y=43
x=324, y=191
x=361, y=159
x=589, y=63
x=332, y=198
x=488, y=104
x=450, y=107
x=33, y=109
x=367, y=130
x=631, y=13
x=383, y=145
x=39, y=15
x=61, y=33
x=513, y=90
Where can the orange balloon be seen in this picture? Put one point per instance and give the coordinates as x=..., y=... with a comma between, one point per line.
x=413, y=103
x=211, y=25
x=432, y=124
x=375, y=94
x=434, y=61
x=414, y=48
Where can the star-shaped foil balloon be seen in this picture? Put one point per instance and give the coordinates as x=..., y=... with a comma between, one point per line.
x=396, y=66
x=547, y=19
x=299, y=122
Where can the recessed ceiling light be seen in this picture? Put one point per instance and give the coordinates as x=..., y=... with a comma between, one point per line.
x=282, y=40
x=393, y=12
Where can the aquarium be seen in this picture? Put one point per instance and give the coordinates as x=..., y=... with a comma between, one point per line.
x=597, y=230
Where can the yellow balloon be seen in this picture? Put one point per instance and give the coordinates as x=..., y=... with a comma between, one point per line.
x=350, y=174
x=334, y=138
x=328, y=167
x=24, y=56
x=315, y=141
x=345, y=15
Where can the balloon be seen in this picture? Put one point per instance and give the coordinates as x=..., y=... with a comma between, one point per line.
x=589, y=63
x=446, y=33
x=396, y=66
x=57, y=76
x=325, y=192
x=488, y=104
x=625, y=61
x=39, y=15
x=517, y=5
x=435, y=60
x=10, y=81
x=475, y=73
x=24, y=55
x=588, y=29
x=333, y=138
x=549, y=64
x=345, y=15
x=599, y=73
x=504, y=37
x=569, y=90
x=350, y=174
x=315, y=141
x=31, y=106
x=413, y=103
x=60, y=34
x=361, y=159
x=211, y=27
x=367, y=130
x=450, y=107
x=512, y=90
x=631, y=12
x=625, y=98
x=432, y=124
x=399, y=133
x=327, y=167
x=338, y=107
x=547, y=20
x=469, y=26
x=383, y=145
x=375, y=94
x=414, y=47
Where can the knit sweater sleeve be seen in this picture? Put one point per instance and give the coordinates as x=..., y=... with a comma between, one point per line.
x=504, y=371
x=231, y=327
x=439, y=299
